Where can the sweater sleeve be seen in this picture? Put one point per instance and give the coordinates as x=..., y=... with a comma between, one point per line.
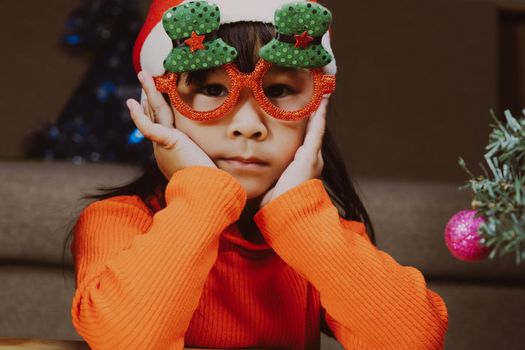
x=139, y=277
x=371, y=301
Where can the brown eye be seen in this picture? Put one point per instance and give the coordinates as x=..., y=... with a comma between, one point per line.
x=278, y=91
x=214, y=90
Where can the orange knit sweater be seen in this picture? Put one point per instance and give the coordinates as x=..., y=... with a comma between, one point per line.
x=185, y=276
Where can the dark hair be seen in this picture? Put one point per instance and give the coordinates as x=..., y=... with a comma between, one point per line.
x=246, y=37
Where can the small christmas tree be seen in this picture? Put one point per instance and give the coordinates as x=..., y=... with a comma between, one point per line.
x=499, y=197
x=95, y=125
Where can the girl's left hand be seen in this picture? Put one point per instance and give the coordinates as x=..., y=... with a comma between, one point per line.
x=308, y=161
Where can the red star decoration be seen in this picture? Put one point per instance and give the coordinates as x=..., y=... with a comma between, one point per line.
x=303, y=40
x=195, y=42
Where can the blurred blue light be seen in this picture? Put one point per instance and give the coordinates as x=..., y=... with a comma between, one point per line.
x=106, y=89
x=135, y=137
x=72, y=39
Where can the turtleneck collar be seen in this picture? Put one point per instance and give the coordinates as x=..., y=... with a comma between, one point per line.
x=234, y=235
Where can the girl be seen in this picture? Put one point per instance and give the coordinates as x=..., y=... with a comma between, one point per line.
x=230, y=239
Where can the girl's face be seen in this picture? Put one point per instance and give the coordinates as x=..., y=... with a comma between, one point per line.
x=246, y=131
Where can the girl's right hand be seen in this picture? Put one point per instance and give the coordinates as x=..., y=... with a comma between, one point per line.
x=173, y=149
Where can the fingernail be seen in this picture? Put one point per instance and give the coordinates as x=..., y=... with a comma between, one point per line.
x=140, y=76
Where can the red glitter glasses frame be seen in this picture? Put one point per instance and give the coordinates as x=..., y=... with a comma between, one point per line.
x=323, y=84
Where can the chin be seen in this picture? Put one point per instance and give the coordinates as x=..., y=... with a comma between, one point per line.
x=252, y=196
x=252, y=193
x=253, y=188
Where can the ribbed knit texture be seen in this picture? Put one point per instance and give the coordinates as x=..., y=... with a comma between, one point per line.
x=185, y=276
x=371, y=301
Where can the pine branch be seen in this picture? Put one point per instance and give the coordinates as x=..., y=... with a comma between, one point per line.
x=499, y=196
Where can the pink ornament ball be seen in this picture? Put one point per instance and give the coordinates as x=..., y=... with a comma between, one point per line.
x=462, y=237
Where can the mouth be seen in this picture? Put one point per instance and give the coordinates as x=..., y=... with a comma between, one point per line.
x=246, y=160
x=242, y=164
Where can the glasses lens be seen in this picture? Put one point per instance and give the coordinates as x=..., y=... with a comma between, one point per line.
x=204, y=90
x=290, y=89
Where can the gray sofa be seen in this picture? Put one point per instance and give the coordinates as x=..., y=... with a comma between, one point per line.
x=40, y=201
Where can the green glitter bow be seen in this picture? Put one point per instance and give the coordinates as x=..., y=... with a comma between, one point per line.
x=192, y=27
x=300, y=27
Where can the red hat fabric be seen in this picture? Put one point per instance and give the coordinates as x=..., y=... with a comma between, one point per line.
x=153, y=18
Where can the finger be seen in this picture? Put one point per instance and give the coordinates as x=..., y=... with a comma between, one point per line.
x=322, y=108
x=145, y=106
x=318, y=118
x=320, y=162
x=153, y=131
x=159, y=108
x=315, y=129
x=147, y=110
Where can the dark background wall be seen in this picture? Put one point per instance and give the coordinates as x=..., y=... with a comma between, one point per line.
x=416, y=80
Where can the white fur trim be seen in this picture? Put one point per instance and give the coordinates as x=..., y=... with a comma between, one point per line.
x=155, y=49
x=249, y=10
x=331, y=67
x=158, y=44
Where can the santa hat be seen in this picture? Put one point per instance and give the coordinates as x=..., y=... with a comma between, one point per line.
x=153, y=44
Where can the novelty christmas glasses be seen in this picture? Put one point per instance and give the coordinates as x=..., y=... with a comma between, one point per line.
x=288, y=82
x=284, y=93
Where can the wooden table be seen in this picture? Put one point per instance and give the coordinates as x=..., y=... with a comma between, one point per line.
x=50, y=344
x=41, y=344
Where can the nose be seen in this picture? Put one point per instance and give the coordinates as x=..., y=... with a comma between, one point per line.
x=247, y=118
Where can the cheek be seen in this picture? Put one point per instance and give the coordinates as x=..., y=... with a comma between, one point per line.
x=289, y=138
x=205, y=136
